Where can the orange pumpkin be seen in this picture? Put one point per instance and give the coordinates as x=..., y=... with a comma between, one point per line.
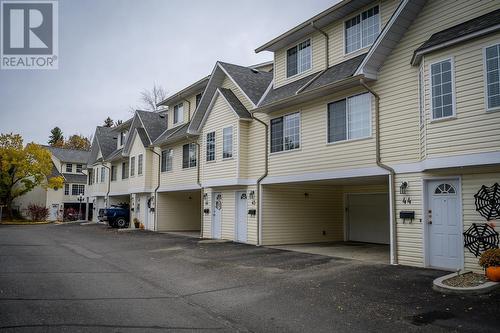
x=493, y=273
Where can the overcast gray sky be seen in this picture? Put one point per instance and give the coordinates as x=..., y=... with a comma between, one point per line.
x=110, y=50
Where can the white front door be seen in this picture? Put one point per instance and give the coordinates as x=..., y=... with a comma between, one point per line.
x=216, y=214
x=241, y=216
x=54, y=209
x=444, y=224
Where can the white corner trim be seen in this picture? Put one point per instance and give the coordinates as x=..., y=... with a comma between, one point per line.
x=229, y=182
x=268, y=89
x=324, y=175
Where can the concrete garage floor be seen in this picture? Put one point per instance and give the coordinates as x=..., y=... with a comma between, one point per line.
x=373, y=253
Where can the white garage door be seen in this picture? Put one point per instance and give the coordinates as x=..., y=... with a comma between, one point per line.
x=368, y=218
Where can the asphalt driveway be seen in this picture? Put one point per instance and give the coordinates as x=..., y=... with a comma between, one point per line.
x=89, y=278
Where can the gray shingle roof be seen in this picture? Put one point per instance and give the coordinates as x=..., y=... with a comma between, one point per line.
x=69, y=155
x=462, y=29
x=333, y=74
x=143, y=136
x=165, y=135
x=253, y=82
x=114, y=155
x=75, y=178
x=155, y=123
x=54, y=172
x=181, y=133
x=235, y=103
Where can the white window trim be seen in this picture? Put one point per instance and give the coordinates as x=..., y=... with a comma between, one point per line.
x=370, y=136
x=215, y=147
x=485, y=80
x=232, y=147
x=300, y=133
x=140, y=162
x=196, y=154
x=453, y=96
x=132, y=159
x=180, y=121
x=360, y=50
x=286, y=59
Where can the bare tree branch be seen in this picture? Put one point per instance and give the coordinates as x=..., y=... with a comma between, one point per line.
x=151, y=98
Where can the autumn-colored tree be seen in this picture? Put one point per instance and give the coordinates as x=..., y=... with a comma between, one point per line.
x=56, y=138
x=22, y=168
x=108, y=122
x=77, y=141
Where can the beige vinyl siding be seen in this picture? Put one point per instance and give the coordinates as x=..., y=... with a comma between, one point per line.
x=119, y=186
x=315, y=154
x=229, y=84
x=189, y=104
x=178, y=176
x=337, y=33
x=179, y=211
x=336, y=45
x=145, y=181
x=410, y=235
x=397, y=82
x=474, y=130
x=97, y=188
x=318, y=62
x=253, y=149
x=228, y=213
x=289, y=216
x=220, y=117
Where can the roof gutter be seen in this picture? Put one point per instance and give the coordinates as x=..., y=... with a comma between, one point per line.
x=198, y=181
x=392, y=174
x=157, y=187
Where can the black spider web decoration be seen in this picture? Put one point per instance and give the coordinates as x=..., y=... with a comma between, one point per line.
x=488, y=201
x=480, y=237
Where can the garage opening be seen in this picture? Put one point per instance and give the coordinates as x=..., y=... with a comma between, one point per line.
x=346, y=218
x=179, y=211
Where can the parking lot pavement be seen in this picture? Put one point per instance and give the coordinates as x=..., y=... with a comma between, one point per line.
x=90, y=278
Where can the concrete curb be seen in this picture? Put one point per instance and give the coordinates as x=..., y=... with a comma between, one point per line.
x=485, y=288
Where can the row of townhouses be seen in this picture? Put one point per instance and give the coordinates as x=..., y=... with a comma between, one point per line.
x=376, y=122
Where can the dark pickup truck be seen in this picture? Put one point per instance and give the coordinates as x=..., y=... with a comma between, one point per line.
x=117, y=216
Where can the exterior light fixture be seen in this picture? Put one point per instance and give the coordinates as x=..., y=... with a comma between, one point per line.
x=403, y=187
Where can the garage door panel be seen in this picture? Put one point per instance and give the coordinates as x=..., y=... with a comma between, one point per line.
x=368, y=218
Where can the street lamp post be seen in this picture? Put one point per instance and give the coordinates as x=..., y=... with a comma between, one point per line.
x=81, y=198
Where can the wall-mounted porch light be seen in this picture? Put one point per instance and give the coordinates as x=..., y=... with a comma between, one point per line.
x=403, y=187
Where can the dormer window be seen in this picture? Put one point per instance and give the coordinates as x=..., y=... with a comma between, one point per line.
x=362, y=30
x=178, y=114
x=198, y=99
x=298, y=58
x=79, y=168
x=69, y=167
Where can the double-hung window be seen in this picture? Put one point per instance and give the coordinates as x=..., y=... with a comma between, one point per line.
x=79, y=168
x=91, y=176
x=285, y=132
x=227, y=142
x=103, y=174
x=492, y=63
x=210, y=146
x=298, y=58
x=124, y=170
x=69, y=167
x=132, y=166
x=349, y=118
x=77, y=189
x=189, y=155
x=178, y=114
x=167, y=156
x=113, y=172
x=140, y=159
x=362, y=30
x=442, y=89
x=66, y=189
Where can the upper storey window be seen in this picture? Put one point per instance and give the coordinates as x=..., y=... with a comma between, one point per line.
x=198, y=99
x=122, y=138
x=362, y=30
x=178, y=114
x=442, y=99
x=492, y=54
x=69, y=167
x=298, y=58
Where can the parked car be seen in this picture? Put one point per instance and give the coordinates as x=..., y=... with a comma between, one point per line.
x=117, y=216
